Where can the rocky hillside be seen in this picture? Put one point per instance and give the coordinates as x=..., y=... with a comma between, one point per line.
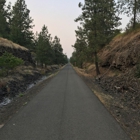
x=119, y=64
x=122, y=52
x=20, y=78
x=16, y=50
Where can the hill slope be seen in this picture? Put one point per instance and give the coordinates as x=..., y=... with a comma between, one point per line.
x=16, y=50
x=122, y=52
x=118, y=86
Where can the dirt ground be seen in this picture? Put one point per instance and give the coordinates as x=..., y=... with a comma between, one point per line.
x=118, y=105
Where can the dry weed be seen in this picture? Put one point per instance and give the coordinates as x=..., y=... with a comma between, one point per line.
x=10, y=44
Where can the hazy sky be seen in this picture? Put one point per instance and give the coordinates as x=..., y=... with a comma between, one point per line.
x=58, y=16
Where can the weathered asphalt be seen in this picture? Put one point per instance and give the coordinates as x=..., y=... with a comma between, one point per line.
x=65, y=109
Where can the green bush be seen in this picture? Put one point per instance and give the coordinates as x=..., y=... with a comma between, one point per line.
x=9, y=62
x=137, y=74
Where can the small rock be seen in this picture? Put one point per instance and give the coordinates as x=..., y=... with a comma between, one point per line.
x=1, y=126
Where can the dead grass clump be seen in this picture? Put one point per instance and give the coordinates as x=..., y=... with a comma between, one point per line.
x=24, y=70
x=104, y=98
x=10, y=44
x=81, y=71
x=2, y=84
x=91, y=68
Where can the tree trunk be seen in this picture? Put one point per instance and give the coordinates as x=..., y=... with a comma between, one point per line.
x=135, y=12
x=81, y=65
x=41, y=65
x=96, y=63
x=95, y=47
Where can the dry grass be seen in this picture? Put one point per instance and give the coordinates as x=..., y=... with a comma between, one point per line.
x=89, y=70
x=16, y=73
x=124, y=39
x=121, y=51
x=81, y=71
x=24, y=70
x=104, y=98
x=10, y=44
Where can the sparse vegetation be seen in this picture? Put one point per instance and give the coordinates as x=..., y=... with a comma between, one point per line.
x=21, y=95
x=131, y=8
x=137, y=73
x=2, y=72
x=129, y=27
x=9, y=62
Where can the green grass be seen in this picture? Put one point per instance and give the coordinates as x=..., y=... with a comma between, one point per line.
x=21, y=95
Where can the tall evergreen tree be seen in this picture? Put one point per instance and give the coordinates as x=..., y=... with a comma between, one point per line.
x=43, y=49
x=4, y=27
x=99, y=20
x=131, y=8
x=81, y=47
x=58, y=51
x=21, y=24
x=73, y=58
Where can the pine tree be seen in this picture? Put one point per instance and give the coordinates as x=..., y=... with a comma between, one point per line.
x=73, y=58
x=21, y=24
x=43, y=49
x=99, y=20
x=58, y=51
x=131, y=8
x=4, y=27
x=80, y=47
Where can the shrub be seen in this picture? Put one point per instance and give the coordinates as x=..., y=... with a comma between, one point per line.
x=137, y=74
x=9, y=61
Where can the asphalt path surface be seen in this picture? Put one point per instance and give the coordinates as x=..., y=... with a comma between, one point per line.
x=65, y=109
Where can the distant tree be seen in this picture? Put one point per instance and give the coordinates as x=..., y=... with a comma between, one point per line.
x=81, y=47
x=131, y=8
x=99, y=20
x=4, y=16
x=44, y=52
x=21, y=24
x=47, y=51
x=65, y=59
x=58, y=50
x=73, y=59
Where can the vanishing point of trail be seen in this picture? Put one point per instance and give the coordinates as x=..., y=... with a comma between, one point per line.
x=65, y=109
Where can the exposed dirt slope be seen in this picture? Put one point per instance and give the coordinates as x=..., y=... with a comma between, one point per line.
x=122, y=52
x=120, y=88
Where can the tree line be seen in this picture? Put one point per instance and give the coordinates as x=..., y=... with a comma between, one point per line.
x=16, y=24
x=99, y=22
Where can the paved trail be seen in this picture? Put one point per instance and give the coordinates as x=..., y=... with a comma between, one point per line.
x=65, y=109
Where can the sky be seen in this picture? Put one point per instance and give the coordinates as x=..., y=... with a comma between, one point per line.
x=59, y=17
